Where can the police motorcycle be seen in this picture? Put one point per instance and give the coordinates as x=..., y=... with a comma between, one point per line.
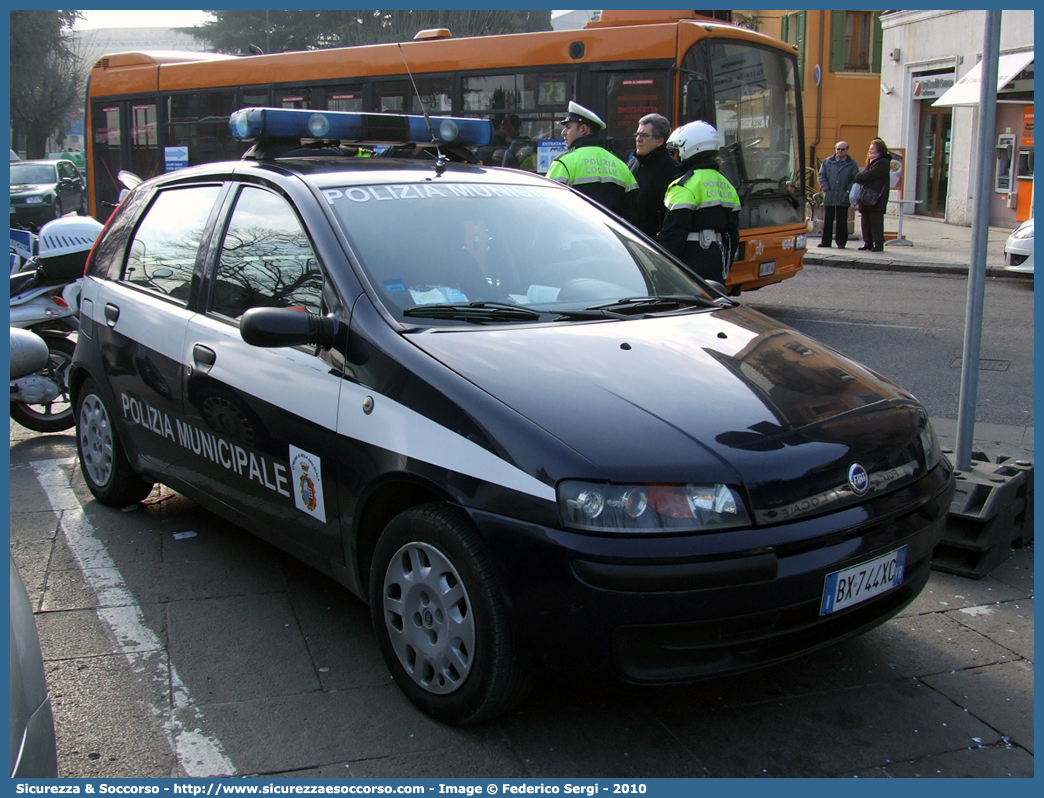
x=45, y=294
x=37, y=382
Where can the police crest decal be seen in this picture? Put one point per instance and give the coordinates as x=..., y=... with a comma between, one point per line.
x=307, y=481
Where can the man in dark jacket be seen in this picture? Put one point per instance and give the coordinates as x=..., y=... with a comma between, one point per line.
x=654, y=168
x=589, y=167
x=835, y=179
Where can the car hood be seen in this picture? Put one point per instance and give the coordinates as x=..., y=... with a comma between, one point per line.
x=32, y=188
x=726, y=396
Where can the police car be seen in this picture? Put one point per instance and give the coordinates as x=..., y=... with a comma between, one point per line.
x=524, y=434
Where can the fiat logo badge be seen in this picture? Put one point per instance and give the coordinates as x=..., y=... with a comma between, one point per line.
x=858, y=479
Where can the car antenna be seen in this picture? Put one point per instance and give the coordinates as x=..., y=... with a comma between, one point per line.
x=440, y=164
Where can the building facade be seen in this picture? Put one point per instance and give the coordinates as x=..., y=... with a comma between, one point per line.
x=929, y=105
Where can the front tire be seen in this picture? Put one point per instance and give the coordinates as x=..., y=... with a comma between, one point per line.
x=440, y=619
x=56, y=415
x=105, y=467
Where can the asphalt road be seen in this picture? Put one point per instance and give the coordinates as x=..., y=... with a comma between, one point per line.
x=177, y=645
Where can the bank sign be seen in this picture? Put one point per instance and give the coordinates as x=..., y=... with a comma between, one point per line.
x=931, y=86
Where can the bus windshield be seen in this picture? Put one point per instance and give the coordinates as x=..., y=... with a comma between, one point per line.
x=749, y=93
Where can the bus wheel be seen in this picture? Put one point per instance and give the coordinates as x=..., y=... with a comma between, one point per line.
x=440, y=619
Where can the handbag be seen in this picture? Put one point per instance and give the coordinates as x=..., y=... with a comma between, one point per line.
x=868, y=196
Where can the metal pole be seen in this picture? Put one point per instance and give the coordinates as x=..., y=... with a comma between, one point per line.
x=980, y=236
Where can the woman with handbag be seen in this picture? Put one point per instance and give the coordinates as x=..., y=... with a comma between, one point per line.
x=873, y=184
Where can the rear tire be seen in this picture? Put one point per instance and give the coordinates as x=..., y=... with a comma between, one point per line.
x=57, y=415
x=105, y=467
x=440, y=619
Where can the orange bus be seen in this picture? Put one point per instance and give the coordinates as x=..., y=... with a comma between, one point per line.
x=155, y=112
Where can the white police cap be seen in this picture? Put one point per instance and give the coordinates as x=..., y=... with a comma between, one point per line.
x=577, y=113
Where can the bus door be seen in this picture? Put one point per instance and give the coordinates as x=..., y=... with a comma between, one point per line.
x=144, y=139
x=107, y=136
x=630, y=94
x=125, y=135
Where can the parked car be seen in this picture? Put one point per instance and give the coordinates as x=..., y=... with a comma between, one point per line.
x=44, y=190
x=528, y=437
x=1018, y=249
x=33, y=749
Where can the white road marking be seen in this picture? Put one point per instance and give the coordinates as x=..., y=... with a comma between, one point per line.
x=199, y=754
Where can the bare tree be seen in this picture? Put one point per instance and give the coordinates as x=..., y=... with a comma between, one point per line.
x=46, y=76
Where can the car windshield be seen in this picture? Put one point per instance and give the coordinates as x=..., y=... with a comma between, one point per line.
x=25, y=173
x=504, y=253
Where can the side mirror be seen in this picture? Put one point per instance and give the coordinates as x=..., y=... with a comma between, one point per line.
x=276, y=327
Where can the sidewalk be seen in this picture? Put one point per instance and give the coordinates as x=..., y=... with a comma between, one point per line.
x=935, y=247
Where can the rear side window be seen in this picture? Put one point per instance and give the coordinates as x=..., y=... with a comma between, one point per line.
x=266, y=259
x=162, y=254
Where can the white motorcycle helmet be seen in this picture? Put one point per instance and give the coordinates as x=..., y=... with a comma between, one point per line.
x=694, y=138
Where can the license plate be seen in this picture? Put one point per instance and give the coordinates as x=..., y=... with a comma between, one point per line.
x=864, y=581
x=767, y=268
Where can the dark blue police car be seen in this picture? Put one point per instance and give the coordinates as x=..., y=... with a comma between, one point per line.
x=528, y=437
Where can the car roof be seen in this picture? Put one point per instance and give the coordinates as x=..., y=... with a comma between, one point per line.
x=335, y=170
x=48, y=161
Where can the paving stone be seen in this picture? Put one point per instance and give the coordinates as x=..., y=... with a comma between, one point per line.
x=997, y=694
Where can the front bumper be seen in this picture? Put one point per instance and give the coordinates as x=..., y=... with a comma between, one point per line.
x=31, y=214
x=673, y=610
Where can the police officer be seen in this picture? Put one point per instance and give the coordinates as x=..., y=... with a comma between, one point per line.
x=701, y=226
x=589, y=167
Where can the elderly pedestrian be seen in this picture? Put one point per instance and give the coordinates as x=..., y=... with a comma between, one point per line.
x=835, y=179
x=654, y=168
x=589, y=167
x=873, y=195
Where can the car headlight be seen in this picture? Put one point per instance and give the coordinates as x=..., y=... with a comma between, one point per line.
x=34, y=200
x=930, y=446
x=1023, y=232
x=801, y=241
x=601, y=507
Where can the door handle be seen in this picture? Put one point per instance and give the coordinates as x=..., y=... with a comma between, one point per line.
x=204, y=357
x=112, y=313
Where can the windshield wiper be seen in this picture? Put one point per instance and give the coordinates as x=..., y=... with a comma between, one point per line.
x=473, y=311
x=777, y=188
x=588, y=313
x=656, y=304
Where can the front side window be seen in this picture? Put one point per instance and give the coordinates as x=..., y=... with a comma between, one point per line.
x=162, y=254
x=266, y=259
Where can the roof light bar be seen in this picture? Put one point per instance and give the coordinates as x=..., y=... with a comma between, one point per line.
x=258, y=124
